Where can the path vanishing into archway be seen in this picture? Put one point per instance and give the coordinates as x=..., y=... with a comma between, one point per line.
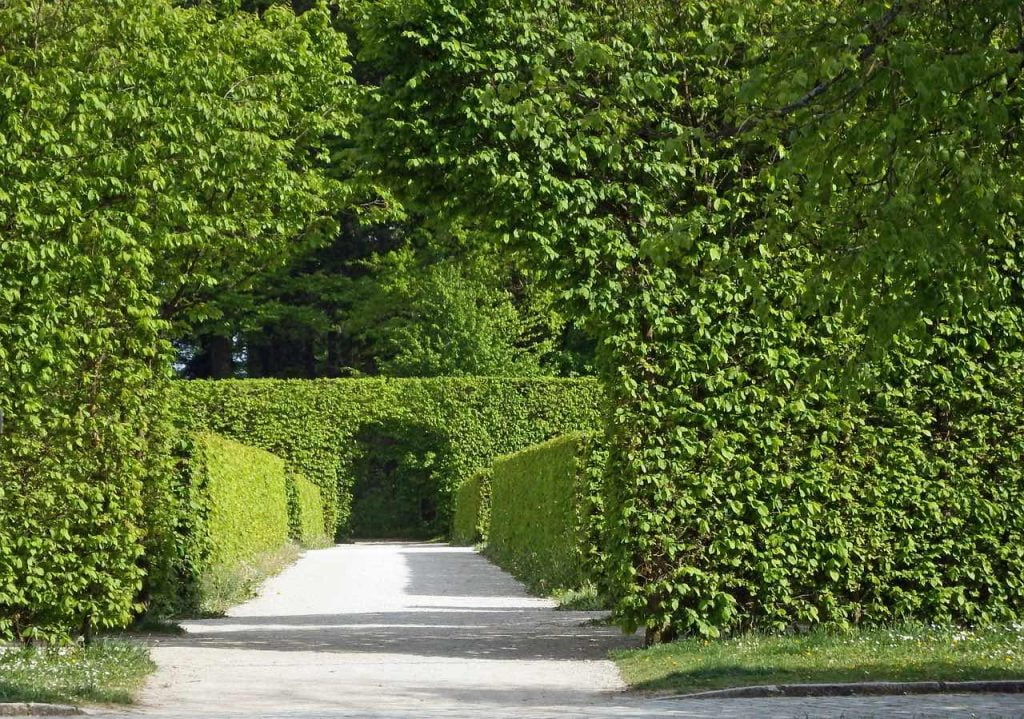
x=387, y=626
x=428, y=631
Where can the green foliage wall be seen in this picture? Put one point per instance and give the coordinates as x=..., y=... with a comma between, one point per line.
x=306, y=512
x=538, y=517
x=246, y=495
x=432, y=431
x=229, y=503
x=78, y=343
x=471, y=513
x=149, y=153
x=750, y=481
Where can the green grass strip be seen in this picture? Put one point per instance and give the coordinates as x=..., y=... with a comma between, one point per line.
x=910, y=653
x=107, y=672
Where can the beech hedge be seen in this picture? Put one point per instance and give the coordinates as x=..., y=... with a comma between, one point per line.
x=749, y=483
x=116, y=217
x=540, y=514
x=228, y=504
x=471, y=513
x=394, y=448
x=246, y=497
x=305, y=512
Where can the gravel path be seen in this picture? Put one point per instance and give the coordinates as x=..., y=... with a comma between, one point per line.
x=424, y=631
x=376, y=627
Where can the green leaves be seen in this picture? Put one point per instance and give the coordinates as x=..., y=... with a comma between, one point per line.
x=226, y=505
x=398, y=444
x=540, y=521
x=150, y=156
x=697, y=181
x=471, y=509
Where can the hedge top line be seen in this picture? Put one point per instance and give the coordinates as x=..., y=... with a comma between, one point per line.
x=466, y=380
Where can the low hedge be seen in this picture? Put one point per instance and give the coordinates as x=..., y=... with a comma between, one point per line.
x=247, y=498
x=305, y=512
x=540, y=518
x=230, y=506
x=471, y=515
x=397, y=447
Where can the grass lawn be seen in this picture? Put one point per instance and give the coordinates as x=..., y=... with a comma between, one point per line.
x=107, y=672
x=901, y=654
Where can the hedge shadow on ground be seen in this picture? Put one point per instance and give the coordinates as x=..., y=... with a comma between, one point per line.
x=518, y=633
x=453, y=605
x=738, y=675
x=441, y=574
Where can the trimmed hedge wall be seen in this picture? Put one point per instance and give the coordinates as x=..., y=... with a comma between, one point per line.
x=305, y=512
x=227, y=505
x=471, y=515
x=373, y=439
x=246, y=496
x=540, y=513
x=80, y=354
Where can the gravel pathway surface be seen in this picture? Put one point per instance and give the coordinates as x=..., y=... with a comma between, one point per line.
x=426, y=631
x=371, y=627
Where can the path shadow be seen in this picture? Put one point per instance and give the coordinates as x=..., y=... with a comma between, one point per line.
x=454, y=604
x=436, y=572
x=512, y=634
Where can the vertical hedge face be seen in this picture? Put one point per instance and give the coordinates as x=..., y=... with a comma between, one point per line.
x=247, y=498
x=471, y=514
x=228, y=504
x=538, y=522
x=744, y=488
x=78, y=345
x=306, y=512
x=115, y=214
x=326, y=427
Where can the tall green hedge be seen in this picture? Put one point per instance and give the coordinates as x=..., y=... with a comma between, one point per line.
x=79, y=346
x=149, y=153
x=748, y=485
x=374, y=440
x=539, y=514
x=471, y=511
x=246, y=495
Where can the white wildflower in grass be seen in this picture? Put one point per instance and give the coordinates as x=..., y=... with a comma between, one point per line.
x=103, y=672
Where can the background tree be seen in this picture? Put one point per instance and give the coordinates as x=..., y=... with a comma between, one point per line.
x=391, y=299
x=470, y=316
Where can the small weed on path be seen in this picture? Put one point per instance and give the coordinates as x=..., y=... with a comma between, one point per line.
x=583, y=599
x=901, y=654
x=107, y=672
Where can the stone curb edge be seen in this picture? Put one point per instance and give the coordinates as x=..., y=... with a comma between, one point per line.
x=999, y=686
x=38, y=710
